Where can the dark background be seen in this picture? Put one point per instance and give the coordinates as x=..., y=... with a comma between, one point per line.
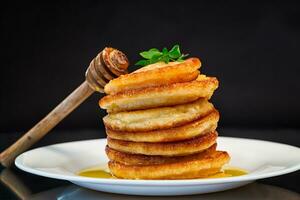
x=253, y=49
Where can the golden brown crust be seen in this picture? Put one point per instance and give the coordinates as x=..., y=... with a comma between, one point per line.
x=139, y=159
x=155, y=75
x=178, y=148
x=198, y=127
x=158, y=118
x=182, y=169
x=166, y=95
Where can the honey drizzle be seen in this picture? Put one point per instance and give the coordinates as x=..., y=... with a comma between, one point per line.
x=97, y=172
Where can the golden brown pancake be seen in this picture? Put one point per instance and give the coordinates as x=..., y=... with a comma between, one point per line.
x=166, y=95
x=139, y=159
x=198, y=127
x=158, y=118
x=183, y=169
x=156, y=74
x=178, y=148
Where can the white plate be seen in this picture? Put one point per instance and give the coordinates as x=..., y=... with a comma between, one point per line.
x=62, y=161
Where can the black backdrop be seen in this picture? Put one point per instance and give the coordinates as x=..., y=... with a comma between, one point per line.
x=253, y=48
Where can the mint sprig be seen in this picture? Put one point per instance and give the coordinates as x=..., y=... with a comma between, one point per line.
x=154, y=55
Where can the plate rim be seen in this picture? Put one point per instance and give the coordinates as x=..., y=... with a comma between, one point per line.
x=185, y=182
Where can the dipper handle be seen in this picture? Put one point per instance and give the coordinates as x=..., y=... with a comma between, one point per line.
x=46, y=124
x=107, y=65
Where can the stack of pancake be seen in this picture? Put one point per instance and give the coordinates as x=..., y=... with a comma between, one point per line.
x=160, y=124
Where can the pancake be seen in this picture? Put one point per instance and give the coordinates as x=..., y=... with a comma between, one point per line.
x=165, y=95
x=183, y=169
x=155, y=75
x=178, y=148
x=139, y=159
x=158, y=118
x=198, y=127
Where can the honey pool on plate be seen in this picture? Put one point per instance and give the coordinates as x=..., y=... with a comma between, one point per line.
x=97, y=172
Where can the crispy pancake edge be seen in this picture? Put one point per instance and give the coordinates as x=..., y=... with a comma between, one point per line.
x=139, y=159
x=151, y=76
x=158, y=118
x=198, y=127
x=178, y=170
x=166, y=95
x=178, y=148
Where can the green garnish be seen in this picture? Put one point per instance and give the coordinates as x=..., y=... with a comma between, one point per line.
x=154, y=55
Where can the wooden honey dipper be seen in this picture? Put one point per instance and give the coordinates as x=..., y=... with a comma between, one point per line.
x=108, y=64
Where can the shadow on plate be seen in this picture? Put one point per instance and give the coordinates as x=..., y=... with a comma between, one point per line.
x=252, y=191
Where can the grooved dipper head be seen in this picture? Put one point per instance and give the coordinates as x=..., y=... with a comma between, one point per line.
x=107, y=65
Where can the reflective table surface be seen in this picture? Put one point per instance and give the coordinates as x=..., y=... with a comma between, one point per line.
x=16, y=184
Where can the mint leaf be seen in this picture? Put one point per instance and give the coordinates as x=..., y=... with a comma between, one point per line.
x=143, y=62
x=153, y=55
x=154, y=49
x=165, y=51
x=166, y=59
x=175, y=52
x=150, y=54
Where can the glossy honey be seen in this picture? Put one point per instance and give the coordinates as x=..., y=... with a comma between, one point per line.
x=100, y=173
